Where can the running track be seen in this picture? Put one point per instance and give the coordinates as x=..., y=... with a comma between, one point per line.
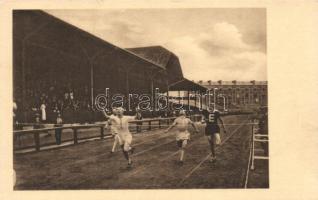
x=90, y=166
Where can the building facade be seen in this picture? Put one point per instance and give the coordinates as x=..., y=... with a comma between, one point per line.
x=239, y=93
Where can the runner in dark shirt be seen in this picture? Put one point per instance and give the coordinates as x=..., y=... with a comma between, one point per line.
x=212, y=129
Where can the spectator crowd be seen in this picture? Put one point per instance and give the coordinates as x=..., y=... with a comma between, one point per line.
x=49, y=102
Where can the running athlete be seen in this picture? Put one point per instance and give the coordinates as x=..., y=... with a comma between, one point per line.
x=183, y=134
x=113, y=129
x=212, y=129
x=121, y=123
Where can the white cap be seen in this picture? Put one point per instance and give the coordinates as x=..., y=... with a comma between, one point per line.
x=120, y=110
x=115, y=110
x=182, y=112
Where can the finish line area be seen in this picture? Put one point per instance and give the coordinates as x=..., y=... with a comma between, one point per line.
x=89, y=164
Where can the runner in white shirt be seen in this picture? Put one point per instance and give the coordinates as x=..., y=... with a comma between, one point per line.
x=121, y=123
x=183, y=135
x=112, y=122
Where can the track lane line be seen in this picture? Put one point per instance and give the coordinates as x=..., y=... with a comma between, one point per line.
x=140, y=169
x=207, y=157
x=248, y=167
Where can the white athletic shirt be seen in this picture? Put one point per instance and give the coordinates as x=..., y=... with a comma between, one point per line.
x=122, y=124
x=182, y=125
x=113, y=124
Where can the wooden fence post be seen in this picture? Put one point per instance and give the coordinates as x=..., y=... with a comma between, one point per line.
x=75, y=135
x=102, y=132
x=149, y=127
x=37, y=141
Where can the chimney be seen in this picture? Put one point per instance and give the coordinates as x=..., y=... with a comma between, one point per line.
x=220, y=82
x=234, y=82
x=253, y=82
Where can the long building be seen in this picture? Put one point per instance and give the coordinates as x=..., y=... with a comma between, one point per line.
x=239, y=93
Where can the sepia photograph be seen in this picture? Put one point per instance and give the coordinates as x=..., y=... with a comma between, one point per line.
x=140, y=98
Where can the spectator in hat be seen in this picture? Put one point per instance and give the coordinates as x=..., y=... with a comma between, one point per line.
x=58, y=132
x=37, y=124
x=43, y=111
x=138, y=117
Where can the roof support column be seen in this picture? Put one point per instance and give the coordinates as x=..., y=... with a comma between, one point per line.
x=207, y=99
x=188, y=100
x=23, y=82
x=260, y=97
x=127, y=88
x=244, y=94
x=92, y=83
x=152, y=93
x=195, y=98
x=152, y=76
x=168, y=98
x=201, y=100
x=249, y=95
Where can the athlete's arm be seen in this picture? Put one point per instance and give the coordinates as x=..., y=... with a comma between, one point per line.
x=105, y=114
x=171, y=126
x=194, y=126
x=202, y=119
x=130, y=118
x=222, y=124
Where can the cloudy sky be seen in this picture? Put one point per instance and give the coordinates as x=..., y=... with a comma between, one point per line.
x=211, y=43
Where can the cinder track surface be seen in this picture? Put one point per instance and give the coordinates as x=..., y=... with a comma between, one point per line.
x=89, y=165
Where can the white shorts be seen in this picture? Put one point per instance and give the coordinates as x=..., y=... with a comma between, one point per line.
x=117, y=138
x=113, y=130
x=126, y=140
x=182, y=143
x=183, y=135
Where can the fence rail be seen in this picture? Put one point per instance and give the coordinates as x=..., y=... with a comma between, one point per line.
x=150, y=124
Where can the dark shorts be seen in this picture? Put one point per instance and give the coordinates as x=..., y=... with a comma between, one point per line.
x=179, y=143
x=210, y=130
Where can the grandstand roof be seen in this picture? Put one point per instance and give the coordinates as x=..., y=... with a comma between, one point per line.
x=163, y=58
x=42, y=29
x=186, y=85
x=51, y=45
x=155, y=54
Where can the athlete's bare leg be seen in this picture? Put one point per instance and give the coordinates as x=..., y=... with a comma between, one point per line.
x=115, y=143
x=182, y=150
x=127, y=151
x=212, y=146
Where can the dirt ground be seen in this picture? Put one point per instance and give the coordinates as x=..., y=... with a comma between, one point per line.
x=89, y=165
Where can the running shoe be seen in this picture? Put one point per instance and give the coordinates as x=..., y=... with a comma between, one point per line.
x=132, y=150
x=129, y=165
x=212, y=159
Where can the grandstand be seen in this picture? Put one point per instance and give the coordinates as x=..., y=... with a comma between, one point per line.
x=56, y=62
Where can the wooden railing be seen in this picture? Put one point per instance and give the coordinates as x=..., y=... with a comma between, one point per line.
x=37, y=132
x=145, y=124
